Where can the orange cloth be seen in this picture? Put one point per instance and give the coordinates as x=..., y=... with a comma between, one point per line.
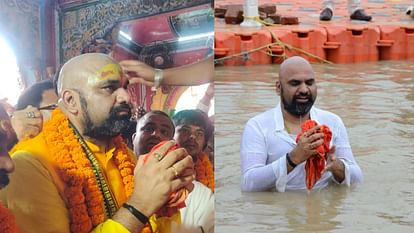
x=315, y=164
x=7, y=221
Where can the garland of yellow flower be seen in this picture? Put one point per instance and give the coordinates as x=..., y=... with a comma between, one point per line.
x=83, y=195
x=7, y=221
x=204, y=171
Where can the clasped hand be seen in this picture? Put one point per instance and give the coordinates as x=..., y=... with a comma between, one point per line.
x=307, y=144
x=159, y=176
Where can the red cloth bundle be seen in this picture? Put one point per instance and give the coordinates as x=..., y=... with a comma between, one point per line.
x=177, y=199
x=7, y=221
x=315, y=164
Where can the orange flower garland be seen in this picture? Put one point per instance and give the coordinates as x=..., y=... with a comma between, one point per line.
x=204, y=171
x=83, y=195
x=125, y=165
x=7, y=221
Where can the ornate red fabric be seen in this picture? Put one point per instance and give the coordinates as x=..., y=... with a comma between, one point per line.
x=315, y=164
x=177, y=199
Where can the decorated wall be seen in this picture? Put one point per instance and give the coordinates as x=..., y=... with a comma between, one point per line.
x=81, y=22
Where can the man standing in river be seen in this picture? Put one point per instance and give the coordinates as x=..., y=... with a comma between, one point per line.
x=271, y=158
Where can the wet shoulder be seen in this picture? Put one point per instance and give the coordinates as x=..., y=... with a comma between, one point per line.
x=264, y=117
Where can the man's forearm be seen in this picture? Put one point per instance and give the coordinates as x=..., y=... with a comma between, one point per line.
x=128, y=220
x=195, y=74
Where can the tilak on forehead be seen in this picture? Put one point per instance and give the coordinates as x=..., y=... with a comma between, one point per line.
x=110, y=71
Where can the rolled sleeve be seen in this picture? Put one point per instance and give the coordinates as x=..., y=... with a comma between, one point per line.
x=347, y=180
x=280, y=170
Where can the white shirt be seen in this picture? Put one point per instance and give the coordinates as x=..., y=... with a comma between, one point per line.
x=265, y=143
x=198, y=213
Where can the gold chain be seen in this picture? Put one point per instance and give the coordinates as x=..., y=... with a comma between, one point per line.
x=286, y=126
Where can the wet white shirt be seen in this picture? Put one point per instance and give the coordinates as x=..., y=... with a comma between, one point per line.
x=265, y=143
x=198, y=215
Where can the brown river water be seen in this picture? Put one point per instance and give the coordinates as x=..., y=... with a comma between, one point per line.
x=376, y=103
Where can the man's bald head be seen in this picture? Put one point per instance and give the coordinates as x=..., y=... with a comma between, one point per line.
x=93, y=95
x=86, y=69
x=296, y=86
x=292, y=64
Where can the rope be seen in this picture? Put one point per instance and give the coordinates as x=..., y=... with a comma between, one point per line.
x=269, y=51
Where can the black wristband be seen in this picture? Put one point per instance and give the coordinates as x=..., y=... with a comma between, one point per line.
x=140, y=216
x=290, y=162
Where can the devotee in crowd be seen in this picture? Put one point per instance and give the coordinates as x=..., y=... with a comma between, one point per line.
x=33, y=108
x=192, y=131
x=355, y=10
x=78, y=175
x=7, y=140
x=271, y=159
x=198, y=215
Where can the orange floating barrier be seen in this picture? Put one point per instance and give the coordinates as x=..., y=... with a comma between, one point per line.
x=352, y=44
x=243, y=43
x=409, y=34
x=225, y=44
x=310, y=40
x=393, y=43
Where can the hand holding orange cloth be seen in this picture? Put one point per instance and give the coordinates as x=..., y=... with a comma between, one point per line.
x=177, y=199
x=316, y=164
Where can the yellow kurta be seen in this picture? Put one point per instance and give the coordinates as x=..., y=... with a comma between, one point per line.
x=35, y=193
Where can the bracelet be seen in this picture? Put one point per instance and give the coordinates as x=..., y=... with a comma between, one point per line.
x=140, y=216
x=290, y=162
x=158, y=77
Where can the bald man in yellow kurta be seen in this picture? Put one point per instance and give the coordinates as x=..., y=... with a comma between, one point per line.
x=77, y=174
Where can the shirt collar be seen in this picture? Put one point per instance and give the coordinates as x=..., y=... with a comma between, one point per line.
x=95, y=148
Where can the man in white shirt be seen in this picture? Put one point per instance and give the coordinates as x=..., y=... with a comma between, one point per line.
x=198, y=215
x=270, y=157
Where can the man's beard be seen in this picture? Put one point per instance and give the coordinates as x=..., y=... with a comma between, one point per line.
x=111, y=127
x=4, y=178
x=296, y=108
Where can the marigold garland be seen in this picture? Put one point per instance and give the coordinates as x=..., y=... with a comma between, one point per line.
x=7, y=221
x=84, y=199
x=204, y=171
